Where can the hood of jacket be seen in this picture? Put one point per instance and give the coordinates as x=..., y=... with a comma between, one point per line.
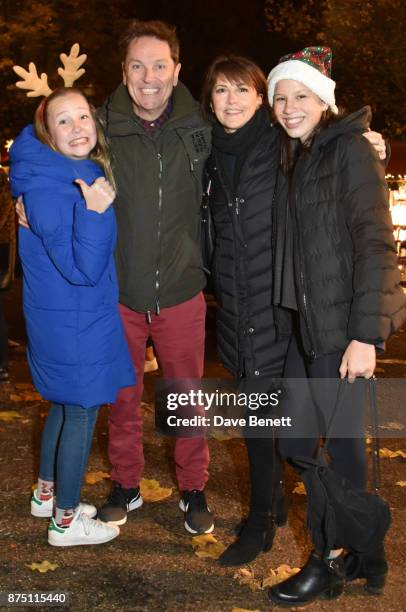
x=357, y=122
x=32, y=162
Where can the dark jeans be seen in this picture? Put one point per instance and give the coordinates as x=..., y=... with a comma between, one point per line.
x=347, y=454
x=65, y=447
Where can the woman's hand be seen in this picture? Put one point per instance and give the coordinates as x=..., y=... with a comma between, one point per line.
x=98, y=196
x=359, y=359
x=376, y=140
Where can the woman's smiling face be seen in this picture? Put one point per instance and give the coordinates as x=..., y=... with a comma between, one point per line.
x=234, y=104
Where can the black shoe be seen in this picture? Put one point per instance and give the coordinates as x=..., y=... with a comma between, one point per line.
x=198, y=518
x=371, y=566
x=119, y=502
x=318, y=578
x=256, y=536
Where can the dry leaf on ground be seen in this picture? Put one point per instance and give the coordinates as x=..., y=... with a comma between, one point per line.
x=13, y=397
x=27, y=386
x=206, y=546
x=43, y=567
x=151, y=490
x=281, y=573
x=245, y=575
x=401, y=483
x=10, y=415
x=299, y=489
x=387, y=453
x=243, y=610
x=219, y=435
x=94, y=477
x=393, y=425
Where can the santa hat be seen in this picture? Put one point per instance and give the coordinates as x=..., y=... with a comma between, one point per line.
x=312, y=67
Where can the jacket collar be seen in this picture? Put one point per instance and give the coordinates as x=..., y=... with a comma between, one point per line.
x=183, y=103
x=357, y=122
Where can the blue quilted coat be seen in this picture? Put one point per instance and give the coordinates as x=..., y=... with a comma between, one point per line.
x=76, y=346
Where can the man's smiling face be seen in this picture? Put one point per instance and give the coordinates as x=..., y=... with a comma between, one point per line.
x=150, y=74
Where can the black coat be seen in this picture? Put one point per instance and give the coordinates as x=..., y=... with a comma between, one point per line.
x=242, y=268
x=346, y=273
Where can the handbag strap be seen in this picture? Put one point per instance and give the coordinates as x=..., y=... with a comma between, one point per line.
x=341, y=383
x=376, y=460
x=376, y=467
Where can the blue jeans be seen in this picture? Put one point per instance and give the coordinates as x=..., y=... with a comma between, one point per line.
x=65, y=448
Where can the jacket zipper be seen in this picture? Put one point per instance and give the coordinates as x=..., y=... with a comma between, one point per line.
x=312, y=354
x=157, y=271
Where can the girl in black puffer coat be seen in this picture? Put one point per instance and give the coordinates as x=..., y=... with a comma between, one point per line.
x=336, y=271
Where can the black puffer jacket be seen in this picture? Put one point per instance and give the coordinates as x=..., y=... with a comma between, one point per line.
x=345, y=257
x=242, y=269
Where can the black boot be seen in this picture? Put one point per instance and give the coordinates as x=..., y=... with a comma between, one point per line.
x=371, y=566
x=256, y=536
x=318, y=578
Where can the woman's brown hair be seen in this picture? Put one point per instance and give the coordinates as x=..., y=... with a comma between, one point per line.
x=100, y=153
x=235, y=69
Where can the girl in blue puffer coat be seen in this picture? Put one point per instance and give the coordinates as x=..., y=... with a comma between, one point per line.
x=76, y=347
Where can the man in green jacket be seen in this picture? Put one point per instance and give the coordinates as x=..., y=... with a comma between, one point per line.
x=159, y=144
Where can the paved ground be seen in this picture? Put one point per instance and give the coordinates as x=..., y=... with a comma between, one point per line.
x=152, y=566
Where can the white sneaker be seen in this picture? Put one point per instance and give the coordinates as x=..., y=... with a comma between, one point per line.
x=82, y=530
x=44, y=508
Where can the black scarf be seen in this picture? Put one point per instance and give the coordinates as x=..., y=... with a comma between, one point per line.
x=233, y=148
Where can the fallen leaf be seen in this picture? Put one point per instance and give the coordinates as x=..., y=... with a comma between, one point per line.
x=43, y=567
x=243, y=610
x=23, y=386
x=392, y=425
x=15, y=398
x=206, y=546
x=151, y=490
x=401, y=483
x=299, y=489
x=94, y=477
x=32, y=397
x=387, y=453
x=10, y=415
x=281, y=573
x=246, y=576
x=25, y=421
x=368, y=441
x=219, y=435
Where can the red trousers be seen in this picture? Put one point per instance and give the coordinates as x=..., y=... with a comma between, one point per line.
x=178, y=334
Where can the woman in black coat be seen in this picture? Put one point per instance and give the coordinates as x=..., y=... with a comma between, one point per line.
x=252, y=334
x=336, y=271
x=241, y=182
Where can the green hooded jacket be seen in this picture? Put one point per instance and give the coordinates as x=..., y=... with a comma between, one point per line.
x=159, y=193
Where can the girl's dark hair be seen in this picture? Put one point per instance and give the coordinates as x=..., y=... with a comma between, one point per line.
x=237, y=70
x=100, y=153
x=291, y=148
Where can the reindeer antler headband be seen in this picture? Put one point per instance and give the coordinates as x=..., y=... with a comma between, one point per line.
x=38, y=86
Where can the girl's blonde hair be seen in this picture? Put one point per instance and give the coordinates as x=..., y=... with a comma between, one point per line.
x=100, y=153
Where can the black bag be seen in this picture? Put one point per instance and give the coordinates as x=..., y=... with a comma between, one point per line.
x=207, y=232
x=339, y=515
